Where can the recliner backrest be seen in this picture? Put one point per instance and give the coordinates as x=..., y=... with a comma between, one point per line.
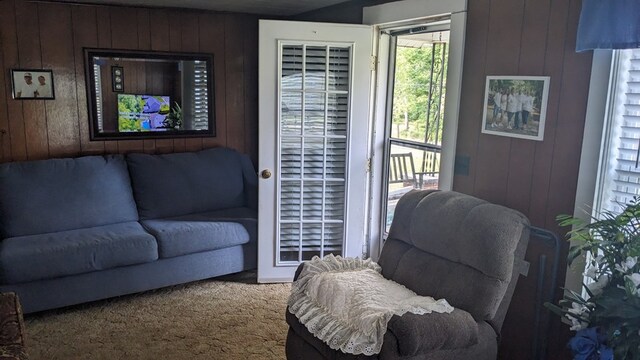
x=457, y=247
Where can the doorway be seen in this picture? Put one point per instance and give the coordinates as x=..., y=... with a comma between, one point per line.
x=407, y=31
x=417, y=71
x=313, y=143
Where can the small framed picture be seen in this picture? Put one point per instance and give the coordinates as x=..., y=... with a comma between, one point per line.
x=515, y=106
x=27, y=84
x=117, y=79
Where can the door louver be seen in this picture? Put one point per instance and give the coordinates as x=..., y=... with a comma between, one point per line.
x=314, y=109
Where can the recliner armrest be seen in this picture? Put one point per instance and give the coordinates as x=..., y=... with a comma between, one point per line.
x=298, y=271
x=250, y=179
x=419, y=334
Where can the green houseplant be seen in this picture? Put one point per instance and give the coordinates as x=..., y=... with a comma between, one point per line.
x=174, y=118
x=610, y=314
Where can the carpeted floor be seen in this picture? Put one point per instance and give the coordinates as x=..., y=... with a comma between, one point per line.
x=226, y=318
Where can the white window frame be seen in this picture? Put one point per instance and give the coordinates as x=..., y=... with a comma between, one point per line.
x=397, y=14
x=590, y=159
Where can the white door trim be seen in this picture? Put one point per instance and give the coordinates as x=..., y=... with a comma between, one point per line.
x=410, y=10
x=593, y=140
x=397, y=14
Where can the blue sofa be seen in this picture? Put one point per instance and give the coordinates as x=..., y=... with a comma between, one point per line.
x=82, y=229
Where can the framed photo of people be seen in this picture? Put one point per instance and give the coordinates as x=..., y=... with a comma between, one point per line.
x=29, y=84
x=515, y=106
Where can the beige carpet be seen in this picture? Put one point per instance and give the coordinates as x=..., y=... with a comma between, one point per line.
x=228, y=318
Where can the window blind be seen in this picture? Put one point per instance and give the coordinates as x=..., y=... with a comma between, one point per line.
x=98, y=89
x=199, y=105
x=314, y=110
x=620, y=166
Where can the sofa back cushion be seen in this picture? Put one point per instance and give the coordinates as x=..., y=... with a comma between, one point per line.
x=454, y=246
x=38, y=197
x=187, y=183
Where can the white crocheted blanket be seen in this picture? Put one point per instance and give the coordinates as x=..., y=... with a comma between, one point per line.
x=346, y=303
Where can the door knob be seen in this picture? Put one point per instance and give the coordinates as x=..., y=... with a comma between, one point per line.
x=266, y=173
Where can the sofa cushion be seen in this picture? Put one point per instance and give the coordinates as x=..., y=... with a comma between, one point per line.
x=45, y=256
x=39, y=197
x=190, y=234
x=248, y=217
x=186, y=183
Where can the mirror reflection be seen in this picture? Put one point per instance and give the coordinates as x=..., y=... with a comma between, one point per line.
x=149, y=94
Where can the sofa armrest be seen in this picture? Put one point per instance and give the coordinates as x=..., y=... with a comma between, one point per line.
x=419, y=334
x=11, y=328
x=250, y=178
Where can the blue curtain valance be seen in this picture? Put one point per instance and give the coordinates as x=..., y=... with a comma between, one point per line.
x=609, y=24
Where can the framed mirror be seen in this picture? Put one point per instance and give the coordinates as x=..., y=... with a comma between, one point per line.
x=143, y=94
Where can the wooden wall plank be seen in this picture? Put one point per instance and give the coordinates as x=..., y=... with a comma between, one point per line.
x=234, y=62
x=571, y=115
x=105, y=41
x=474, y=62
x=35, y=120
x=503, y=53
x=565, y=162
x=144, y=29
x=15, y=115
x=251, y=87
x=62, y=114
x=212, y=33
x=175, y=44
x=6, y=8
x=191, y=43
x=544, y=152
x=518, y=191
x=144, y=43
x=5, y=141
x=124, y=35
x=159, y=33
x=531, y=62
x=190, y=32
x=85, y=34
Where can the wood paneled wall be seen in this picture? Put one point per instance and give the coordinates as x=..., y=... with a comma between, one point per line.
x=538, y=178
x=52, y=35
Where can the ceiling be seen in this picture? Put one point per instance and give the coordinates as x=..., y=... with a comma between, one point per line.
x=262, y=7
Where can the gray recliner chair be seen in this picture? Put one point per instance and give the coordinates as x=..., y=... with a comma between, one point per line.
x=447, y=245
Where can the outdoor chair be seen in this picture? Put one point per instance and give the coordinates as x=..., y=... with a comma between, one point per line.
x=402, y=169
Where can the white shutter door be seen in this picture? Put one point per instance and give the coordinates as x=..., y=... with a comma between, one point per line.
x=620, y=171
x=314, y=122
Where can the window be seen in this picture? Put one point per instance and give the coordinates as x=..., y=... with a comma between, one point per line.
x=419, y=62
x=97, y=75
x=200, y=100
x=609, y=172
x=619, y=174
